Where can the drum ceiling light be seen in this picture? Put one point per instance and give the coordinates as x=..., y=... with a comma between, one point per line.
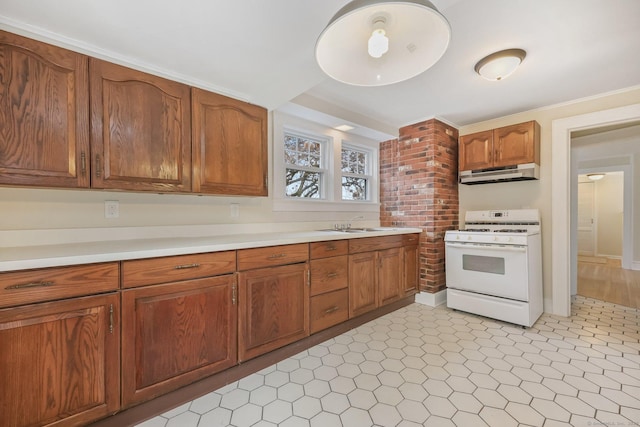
x=501, y=64
x=377, y=43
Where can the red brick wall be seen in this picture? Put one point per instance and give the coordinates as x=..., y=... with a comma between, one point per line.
x=419, y=188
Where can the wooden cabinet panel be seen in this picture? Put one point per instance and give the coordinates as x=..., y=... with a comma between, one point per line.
x=140, y=130
x=411, y=264
x=517, y=144
x=329, y=274
x=506, y=146
x=390, y=275
x=47, y=284
x=475, y=151
x=329, y=309
x=273, y=308
x=271, y=256
x=171, y=269
x=229, y=145
x=363, y=279
x=328, y=249
x=60, y=362
x=176, y=333
x=44, y=104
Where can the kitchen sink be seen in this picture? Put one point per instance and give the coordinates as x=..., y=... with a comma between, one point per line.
x=359, y=230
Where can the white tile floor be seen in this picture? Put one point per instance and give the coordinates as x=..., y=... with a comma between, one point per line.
x=436, y=367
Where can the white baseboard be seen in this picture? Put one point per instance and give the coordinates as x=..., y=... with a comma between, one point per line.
x=635, y=265
x=432, y=300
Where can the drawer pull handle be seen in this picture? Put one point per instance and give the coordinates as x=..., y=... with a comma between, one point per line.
x=331, y=309
x=332, y=275
x=331, y=248
x=276, y=256
x=185, y=266
x=30, y=285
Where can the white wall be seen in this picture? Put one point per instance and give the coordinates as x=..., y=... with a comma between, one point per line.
x=535, y=194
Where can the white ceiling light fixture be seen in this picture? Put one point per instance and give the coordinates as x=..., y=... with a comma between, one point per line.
x=500, y=65
x=595, y=176
x=377, y=42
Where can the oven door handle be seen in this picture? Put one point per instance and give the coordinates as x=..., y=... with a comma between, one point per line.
x=512, y=248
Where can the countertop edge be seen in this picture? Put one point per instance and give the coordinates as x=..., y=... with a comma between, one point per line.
x=58, y=255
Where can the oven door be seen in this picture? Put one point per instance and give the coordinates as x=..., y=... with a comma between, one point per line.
x=499, y=270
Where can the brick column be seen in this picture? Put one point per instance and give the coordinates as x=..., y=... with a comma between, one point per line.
x=419, y=188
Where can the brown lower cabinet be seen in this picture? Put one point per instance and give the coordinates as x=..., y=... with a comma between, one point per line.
x=176, y=333
x=382, y=276
x=60, y=362
x=273, y=308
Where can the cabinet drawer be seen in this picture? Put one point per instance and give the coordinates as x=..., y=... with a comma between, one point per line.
x=410, y=239
x=329, y=309
x=249, y=259
x=330, y=248
x=174, y=268
x=368, y=244
x=46, y=284
x=329, y=274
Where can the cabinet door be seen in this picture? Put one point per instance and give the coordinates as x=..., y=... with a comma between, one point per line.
x=517, y=144
x=60, y=362
x=411, y=270
x=175, y=334
x=44, y=121
x=229, y=146
x=363, y=278
x=476, y=151
x=273, y=308
x=140, y=130
x=390, y=276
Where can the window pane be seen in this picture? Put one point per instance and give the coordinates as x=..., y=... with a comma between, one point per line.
x=302, y=151
x=354, y=188
x=302, y=184
x=354, y=161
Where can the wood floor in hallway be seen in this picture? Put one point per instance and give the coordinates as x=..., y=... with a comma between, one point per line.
x=609, y=282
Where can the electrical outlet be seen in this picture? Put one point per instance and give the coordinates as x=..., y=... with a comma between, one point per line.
x=111, y=209
x=235, y=210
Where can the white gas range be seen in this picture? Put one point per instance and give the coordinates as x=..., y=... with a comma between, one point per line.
x=494, y=265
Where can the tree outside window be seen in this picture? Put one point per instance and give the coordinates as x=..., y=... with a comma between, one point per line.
x=355, y=174
x=304, y=175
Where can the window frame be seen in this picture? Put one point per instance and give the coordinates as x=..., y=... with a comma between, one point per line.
x=367, y=175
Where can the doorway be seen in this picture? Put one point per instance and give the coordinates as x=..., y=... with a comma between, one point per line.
x=563, y=240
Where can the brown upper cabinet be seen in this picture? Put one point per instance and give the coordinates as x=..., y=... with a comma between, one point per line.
x=77, y=122
x=229, y=145
x=140, y=130
x=44, y=108
x=505, y=146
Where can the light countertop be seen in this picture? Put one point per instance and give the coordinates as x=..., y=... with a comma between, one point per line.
x=28, y=257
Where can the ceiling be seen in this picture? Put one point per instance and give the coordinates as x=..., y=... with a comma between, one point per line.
x=263, y=51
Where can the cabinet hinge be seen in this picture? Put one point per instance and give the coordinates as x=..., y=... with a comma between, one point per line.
x=266, y=181
x=234, y=291
x=111, y=318
x=98, y=166
x=83, y=163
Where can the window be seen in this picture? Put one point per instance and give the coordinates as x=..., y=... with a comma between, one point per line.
x=304, y=174
x=356, y=173
x=317, y=169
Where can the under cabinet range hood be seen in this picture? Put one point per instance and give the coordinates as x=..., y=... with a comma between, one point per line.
x=524, y=172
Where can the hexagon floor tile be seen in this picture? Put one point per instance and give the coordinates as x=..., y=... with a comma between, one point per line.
x=433, y=366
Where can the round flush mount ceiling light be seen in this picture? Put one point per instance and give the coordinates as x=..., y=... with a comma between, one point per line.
x=501, y=64
x=376, y=43
x=595, y=176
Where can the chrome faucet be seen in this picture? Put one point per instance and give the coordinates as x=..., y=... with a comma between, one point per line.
x=347, y=225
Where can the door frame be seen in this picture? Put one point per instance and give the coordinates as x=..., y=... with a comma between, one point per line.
x=564, y=254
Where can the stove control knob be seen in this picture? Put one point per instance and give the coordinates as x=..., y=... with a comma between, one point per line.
x=495, y=239
x=469, y=238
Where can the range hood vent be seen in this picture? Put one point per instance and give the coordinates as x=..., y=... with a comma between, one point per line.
x=524, y=172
